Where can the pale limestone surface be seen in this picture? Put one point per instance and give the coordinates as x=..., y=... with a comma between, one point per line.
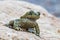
x=10, y=10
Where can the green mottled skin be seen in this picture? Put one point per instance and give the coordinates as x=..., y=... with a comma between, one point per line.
x=27, y=21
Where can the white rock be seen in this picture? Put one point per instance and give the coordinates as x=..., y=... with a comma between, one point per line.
x=9, y=10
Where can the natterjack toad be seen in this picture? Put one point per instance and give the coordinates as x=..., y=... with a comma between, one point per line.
x=27, y=22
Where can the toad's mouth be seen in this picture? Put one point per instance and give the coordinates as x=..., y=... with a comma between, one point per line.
x=33, y=17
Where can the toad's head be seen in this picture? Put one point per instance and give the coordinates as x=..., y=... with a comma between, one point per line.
x=32, y=15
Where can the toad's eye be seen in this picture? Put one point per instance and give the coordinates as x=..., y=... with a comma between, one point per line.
x=38, y=13
x=31, y=12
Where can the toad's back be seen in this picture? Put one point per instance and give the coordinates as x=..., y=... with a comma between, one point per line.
x=26, y=23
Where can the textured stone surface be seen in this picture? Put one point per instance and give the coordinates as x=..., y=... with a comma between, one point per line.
x=9, y=10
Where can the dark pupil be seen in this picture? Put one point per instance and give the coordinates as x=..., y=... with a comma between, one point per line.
x=30, y=13
x=38, y=13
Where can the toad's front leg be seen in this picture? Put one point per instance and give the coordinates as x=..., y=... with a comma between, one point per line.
x=37, y=30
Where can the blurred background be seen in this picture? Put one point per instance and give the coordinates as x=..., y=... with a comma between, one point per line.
x=52, y=6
